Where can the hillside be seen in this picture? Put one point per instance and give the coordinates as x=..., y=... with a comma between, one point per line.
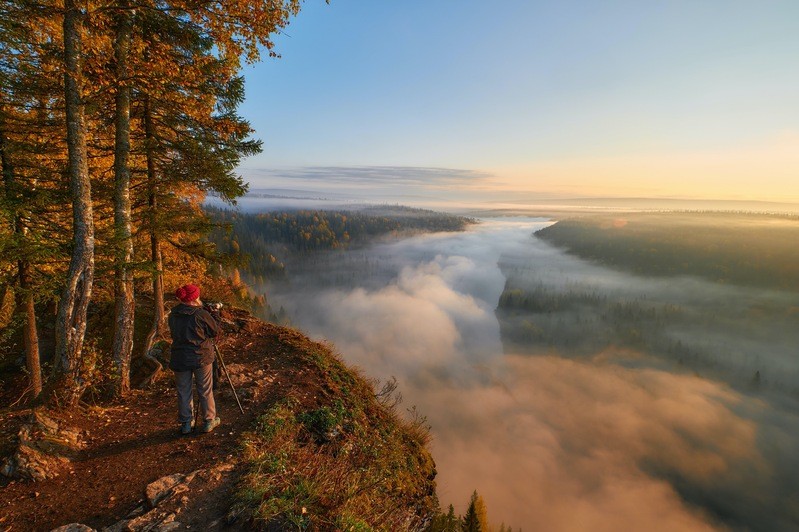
x=316, y=449
x=277, y=242
x=746, y=249
x=711, y=294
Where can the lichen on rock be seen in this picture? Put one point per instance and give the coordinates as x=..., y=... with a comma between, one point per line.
x=44, y=448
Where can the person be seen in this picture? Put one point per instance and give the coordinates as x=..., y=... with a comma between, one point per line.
x=193, y=330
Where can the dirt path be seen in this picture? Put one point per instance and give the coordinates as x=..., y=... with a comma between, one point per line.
x=133, y=443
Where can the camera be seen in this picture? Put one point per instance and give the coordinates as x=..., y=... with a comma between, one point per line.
x=214, y=309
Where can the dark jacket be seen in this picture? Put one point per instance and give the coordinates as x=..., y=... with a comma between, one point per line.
x=193, y=330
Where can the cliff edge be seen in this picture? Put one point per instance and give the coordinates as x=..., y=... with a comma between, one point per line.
x=317, y=448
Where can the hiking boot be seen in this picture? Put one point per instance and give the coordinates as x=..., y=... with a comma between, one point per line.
x=186, y=426
x=211, y=424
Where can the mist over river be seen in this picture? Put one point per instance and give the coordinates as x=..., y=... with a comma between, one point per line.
x=574, y=431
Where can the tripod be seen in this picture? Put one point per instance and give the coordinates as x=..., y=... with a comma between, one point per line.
x=224, y=368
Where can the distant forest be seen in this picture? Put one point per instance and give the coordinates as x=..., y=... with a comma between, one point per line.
x=734, y=330
x=268, y=240
x=748, y=343
x=586, y=320
x=748, y=250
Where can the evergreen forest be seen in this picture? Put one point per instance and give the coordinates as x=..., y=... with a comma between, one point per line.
x=269, y=241
x=647, y=286
x=734, y=248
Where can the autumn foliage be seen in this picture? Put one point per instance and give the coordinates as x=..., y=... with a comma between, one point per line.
x=117, y=118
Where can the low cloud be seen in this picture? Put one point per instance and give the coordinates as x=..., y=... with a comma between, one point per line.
x=578, y=445
x=551, y=440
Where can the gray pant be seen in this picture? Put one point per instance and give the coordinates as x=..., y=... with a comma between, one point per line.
x=203, y=376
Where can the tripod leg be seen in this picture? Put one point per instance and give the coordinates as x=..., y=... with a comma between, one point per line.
x=230, y=381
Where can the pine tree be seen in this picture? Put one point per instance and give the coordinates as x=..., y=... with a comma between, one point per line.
x=451, y=522
x=476, y=517
x=192, y=140
x=74, y=301
x=471, y=520
x=92, y=91
x=124, y=308
x=32, y=155
x=445, y=523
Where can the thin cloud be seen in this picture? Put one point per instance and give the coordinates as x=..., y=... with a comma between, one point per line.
x=380, y=175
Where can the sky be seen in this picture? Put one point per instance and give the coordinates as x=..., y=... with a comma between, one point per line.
x=570, y=98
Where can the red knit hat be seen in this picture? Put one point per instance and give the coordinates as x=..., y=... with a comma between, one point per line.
x=188, y=293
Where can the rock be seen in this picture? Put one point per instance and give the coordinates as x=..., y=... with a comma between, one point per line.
x=47, y=435
x=152, y=521
x=43, y=450
x=239, y=375
x=162, y=488
x=166, y=524
x=74, y=527
x=8, y=468
x=120, y=526
x=136, y=512
x=164, y=505
x=167, y=486
x=30, y=464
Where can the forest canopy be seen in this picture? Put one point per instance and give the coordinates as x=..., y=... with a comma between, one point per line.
x=268, y=240
x=744, y=249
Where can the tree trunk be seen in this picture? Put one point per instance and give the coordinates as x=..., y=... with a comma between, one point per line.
x=69, y=364
x=158, y=327
x=5, y=159
x=159, y=317
x=123, y=281
x=158, y=284
x=30, y=336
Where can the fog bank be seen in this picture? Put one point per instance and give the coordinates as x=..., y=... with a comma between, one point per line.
x=554, y=439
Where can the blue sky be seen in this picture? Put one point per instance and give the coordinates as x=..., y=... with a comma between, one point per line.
x=669, y=98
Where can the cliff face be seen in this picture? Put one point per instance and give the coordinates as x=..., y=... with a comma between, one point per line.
x=318, y=448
